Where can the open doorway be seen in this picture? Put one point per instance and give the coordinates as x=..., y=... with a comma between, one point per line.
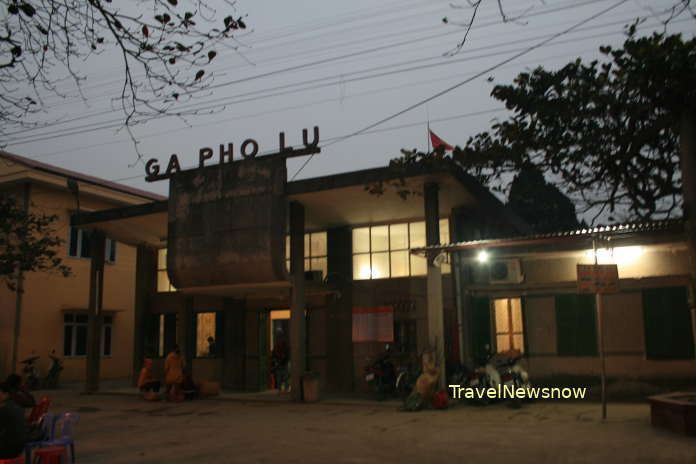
x=279, y=349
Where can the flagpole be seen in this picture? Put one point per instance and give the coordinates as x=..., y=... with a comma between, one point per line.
x=427, y=135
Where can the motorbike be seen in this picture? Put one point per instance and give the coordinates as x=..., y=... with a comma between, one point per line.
x=51, y=380
x=31, y=373
x=382, y=375
x=513, y=374
x=406, y=379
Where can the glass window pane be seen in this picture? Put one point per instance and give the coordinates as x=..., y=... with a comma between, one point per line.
x=399, y=263
x=503, y=342
x=380, y=265
x=318, y=243
x=444, y=231
x=398, y=236
x=162, y=281
x=501, y=315
x=287, y=265
x=516, y=304
x=81, y=340
x=380, y=238
x=82, y=318
x=73, y=242
x=446, y=268
x=306, y=246
x=361, y=240
x=108, y=319
x=205, y=335
x=418, y=266
x=417, y=234
x=319, y=264
x=307, y=265
x=68, y=318
x=85, y=246
x=519, y=343
x=67, y=340
x=162, y=259
x=361, y=267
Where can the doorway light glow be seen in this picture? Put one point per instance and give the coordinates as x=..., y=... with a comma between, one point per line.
x=621, y=256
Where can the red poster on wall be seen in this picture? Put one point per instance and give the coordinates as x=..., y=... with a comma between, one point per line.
x=373, y=324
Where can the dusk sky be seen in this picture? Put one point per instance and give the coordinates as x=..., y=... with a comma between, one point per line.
x=342, y=66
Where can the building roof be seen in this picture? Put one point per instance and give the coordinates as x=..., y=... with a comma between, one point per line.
x=626, y=230
x=68, y=174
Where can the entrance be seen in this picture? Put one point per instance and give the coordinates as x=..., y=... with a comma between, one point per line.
x=279, y=333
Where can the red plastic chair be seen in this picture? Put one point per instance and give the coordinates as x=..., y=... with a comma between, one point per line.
x=39, y=410
x=50, y=455
x=17, y=460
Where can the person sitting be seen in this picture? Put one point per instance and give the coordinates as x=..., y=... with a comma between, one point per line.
x=147, y=381
x=19, y=394
x=13, y=432
x=173, y=372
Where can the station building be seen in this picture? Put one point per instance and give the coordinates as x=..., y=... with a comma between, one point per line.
x=422, y=258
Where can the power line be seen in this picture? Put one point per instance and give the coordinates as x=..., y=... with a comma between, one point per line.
x=466, y=81
x=355, y=54
x=263, y=93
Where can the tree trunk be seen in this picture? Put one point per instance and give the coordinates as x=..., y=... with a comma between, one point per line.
x=687, y=150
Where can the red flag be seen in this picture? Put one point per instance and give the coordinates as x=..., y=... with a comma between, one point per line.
x=437, y=141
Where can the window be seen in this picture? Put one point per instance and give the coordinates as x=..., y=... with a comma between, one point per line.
x=667, y=318
x=163, y=284
x=314, y=252
x=75, y=335
x=509, y=331
x=576, y=331
x=383, y=251
x=79, y=246
x=209, y=329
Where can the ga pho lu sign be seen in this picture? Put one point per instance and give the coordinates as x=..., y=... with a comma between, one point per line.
x=248, y=150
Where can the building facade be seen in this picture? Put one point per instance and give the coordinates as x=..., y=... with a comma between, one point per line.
x=50, y=311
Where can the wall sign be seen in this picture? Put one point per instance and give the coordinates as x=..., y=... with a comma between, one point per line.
x=598, y=278
x=247, y=150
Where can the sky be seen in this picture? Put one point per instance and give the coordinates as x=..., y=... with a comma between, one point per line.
x=358, y=70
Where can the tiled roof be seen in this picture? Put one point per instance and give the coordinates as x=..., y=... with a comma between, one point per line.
x=666, y=225
x=30, y=163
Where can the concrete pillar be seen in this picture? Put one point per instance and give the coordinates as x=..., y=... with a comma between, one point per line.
x=436, y=326
x=145, y=282
x=298, y=343
x=96, y=297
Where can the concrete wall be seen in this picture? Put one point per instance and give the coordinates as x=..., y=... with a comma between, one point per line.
x=553, y=273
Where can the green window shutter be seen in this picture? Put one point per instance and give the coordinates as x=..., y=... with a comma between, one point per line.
x=481, y=326
x=668, y=329
x=576, y=328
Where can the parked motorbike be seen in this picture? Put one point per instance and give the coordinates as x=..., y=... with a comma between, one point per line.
x=406, y=379
x=51, y=380
x=31, y=373
x=513, y=374
x=382, y=375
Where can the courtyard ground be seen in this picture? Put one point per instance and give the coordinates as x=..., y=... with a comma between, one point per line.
x=126, y=429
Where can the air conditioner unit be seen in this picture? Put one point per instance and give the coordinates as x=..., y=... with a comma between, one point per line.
x=505, y=271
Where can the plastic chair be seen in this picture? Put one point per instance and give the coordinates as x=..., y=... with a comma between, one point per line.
x=39, y=410
x=64, y=429
x=17, y=460
x=50, y=455
x=47, y=422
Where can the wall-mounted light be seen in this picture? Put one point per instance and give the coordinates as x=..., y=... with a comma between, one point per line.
x=622, y=256
x=482, y=256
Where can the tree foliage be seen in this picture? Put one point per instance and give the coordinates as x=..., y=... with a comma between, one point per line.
x=540, y=204
x=164, y=47
x=606, y=132
x=27, y=243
